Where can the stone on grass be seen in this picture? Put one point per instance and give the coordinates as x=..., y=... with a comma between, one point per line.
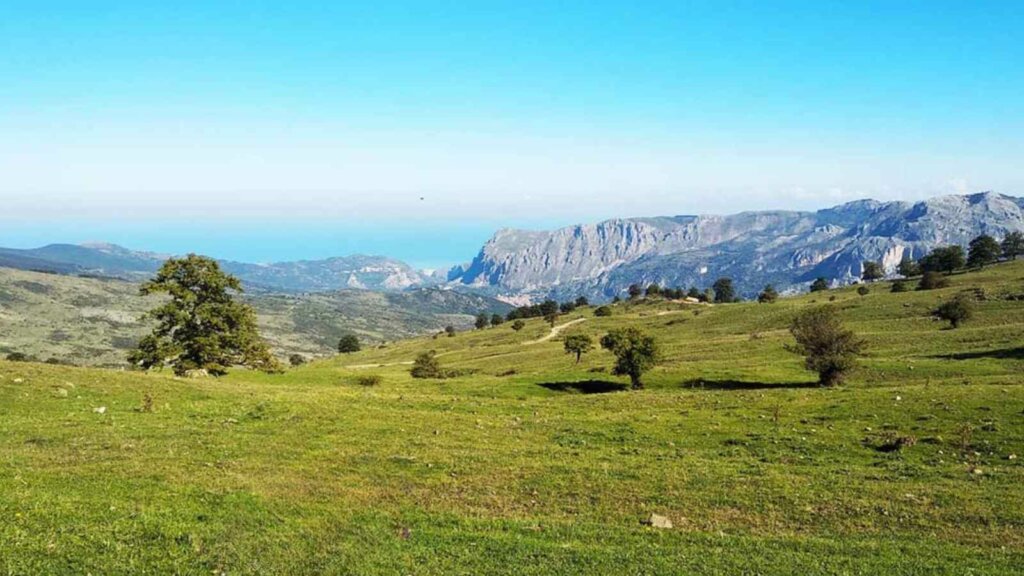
x=657, y=521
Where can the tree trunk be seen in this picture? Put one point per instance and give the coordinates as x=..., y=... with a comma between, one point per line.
x=635, y=381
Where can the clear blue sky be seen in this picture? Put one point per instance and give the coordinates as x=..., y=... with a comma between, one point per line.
x=309, y=129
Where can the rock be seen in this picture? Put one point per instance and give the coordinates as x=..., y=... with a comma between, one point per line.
x=201, y=373
x=100, y=410
x=1011, y=457
x=657, y=521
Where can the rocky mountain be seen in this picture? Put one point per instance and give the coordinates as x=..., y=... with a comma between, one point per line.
x=109, y=260
x=788, y=249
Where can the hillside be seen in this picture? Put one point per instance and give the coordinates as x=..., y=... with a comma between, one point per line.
x=94, y=321
x=529, y=464
x=785, y=248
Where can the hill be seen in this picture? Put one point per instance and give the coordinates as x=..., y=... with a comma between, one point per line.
x=529, y=464
x=787, y=249
x=94, y=321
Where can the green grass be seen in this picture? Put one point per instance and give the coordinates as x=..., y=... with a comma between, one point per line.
x=497, y=472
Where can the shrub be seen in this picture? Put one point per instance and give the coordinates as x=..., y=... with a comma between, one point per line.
x=566, y=307
x=635, y=291
x=828, y=348
x=863, y=290
x=18, y=357
x=426, y=365
x=820, y=284
x=768, y=295
x=518, y=325
x=900, y=286
x=635, y=353
x=296, y=359
x=450, y=331
x=603, y=311
x=582, y=301
x=349, y=343
x=932, y=280
x=955, y=311
x=908, y=268
x=370, y=380
x=482, y=321
x=497, y=319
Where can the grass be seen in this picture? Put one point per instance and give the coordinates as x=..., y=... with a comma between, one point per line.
x=535, y=465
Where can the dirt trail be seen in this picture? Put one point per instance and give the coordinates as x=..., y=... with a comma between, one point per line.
x=556, y=331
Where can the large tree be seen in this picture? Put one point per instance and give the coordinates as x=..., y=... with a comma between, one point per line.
x=724, y=291
x=635, y=353
x=827, y=346
x=1013, y=245
x=983, y=250
x=202, y=326
x=943, y=259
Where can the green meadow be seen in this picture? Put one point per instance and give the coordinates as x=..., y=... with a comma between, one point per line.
x=528, y=463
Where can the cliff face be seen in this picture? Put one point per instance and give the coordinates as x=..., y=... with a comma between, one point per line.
x=754, y=248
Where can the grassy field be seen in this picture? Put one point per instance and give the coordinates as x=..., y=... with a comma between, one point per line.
x=534, y=465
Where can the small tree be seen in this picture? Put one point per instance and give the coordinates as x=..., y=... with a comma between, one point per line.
x=944, y=259
x=863, y=290
x=982, y=251
x=518, y=325
x=603, y=311
x=616, y=299
x=635, y=353
x=201, y=326
x=1013, y=245
x=955, y=311
x=551, y=318
x=349, y=343
x=768, y=295
x=578, y=344
x=635, y=291
x=820, y=284
x=653, y=290
x=900, y=286
x=482, y=321
x=548, y=307
x=724, y=291
x=426, y=365
x=296, y=359
x=872, y=271
x=497, y=319
x=566, y=307
x=582, y=302
x=908, y=268
x=694, y=293
x=450, y=331
x=932, y=280
x=828, y=348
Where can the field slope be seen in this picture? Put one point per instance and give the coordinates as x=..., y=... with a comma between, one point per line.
x=530, y=464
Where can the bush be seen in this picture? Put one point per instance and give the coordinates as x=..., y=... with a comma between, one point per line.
x=296, y=359
x=863, y=290
x=768, y=295
x=426, y=365
x=828, y=348
x=370, y=380
x=497, y=319
x=18, y=357
x=900, y=286
x=582, y=301
x=603, y=311
x=349, y=343
x=820, y=284
x=482, y=321
x=932, y=280
x=518, y=325
x=955, y=311
x=450, y=331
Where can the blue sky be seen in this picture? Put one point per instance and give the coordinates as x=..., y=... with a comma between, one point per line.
x=267, y=131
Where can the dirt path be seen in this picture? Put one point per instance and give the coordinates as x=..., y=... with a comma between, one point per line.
x=555, y=331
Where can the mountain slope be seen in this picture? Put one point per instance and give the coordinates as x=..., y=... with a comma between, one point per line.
x=754, y=248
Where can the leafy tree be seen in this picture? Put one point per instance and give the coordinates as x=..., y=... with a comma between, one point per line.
x=872, y=271
x=955, y=311
x=931, y=280
x=863, y=290
x=548, y=307
x=518, y=325
x=551, y=318
x=497, y=319
x=635, y=353
x=900, y=286
x=482, y=321
x=426, y=365
x=944, y=259
x=566, y=307
x=296, y=359
x=578, y=344
x=983, y=250
x=707, y=296
x=635, y=291
x=820, y=284
x=603, y=311
x=201, y=326
x=616, y=299
x=582, y=301
x=653, y=290
x=908, y=268
x=693, y=293
x=450, y=331
x=768, y=295
x=828, y=348
x=349, y=343
x=724, y=291
x=1013, y=245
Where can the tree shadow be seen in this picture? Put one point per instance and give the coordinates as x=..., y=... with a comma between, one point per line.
x=1003, y=354
x=585, y=386
x=743, y=385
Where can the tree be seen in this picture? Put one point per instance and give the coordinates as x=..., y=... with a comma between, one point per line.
x=635, y=353
x=653, y=290
x=426, y=365
x=481, y=321
x=201, y=326
x=548, y=307
x=296, y=359
x=768, y=295
x=828, y=348
x=551, y=318
x=983, y=250
x=518, y=325
x=863, y=290
x=616, y=299
x=603, y=311
x=693, y=293
x=724, y=292
x=578, y=344
x=635, y=291
x=820, y=284
x=955, y=311
x=1013, y=245
x=566, y=307
x=872, y=271
x=349, y=343
x=943, y=259
x=899, y=286
x=450, y=331
x=497, y=319
x=932, y=280
x=908, y=268
x=582, y=301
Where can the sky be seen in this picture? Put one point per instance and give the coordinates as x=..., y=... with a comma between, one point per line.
x=267, y=131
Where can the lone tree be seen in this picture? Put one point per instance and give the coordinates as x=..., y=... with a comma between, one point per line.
x=518, y=325
x=426, y=365
x=635, y=353
x=872, y=271
x=983, y=250
x=955, y=311
x=768, y=295
x=578, y=344
x=1013, y=245
x=348, y=344
x=635, y=291
x=482, y=321
x=908, y=268
x=202, y=326
x=828, y=348
x=450, y=331
x=943, y=259
x=497, y=319
x=820, y=284
x=724, y=292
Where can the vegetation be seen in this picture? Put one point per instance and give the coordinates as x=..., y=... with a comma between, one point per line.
x=449, y=330
x=900, y=286
x=863, y=290
x=348, y=344
x=932, y=280
x=497, y=319
x=908, y=268
x=724, y=291
x=634, y=291
x=578, y=345
x=296, y=360
x=828, y=347
x=603, y=311
x=635, y=353
x=482, y=321
x=1012, y=245
x=768, y=295
x=945, y=259
x=819, y=285
x=518, y=325
x=982, y=251
x=956, y=310
x=426, y=365
x=202, y=327
x=872, y=271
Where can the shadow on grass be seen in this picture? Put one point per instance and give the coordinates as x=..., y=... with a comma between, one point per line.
x=1003, y=354
x=744, y=385
x=585, y=387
